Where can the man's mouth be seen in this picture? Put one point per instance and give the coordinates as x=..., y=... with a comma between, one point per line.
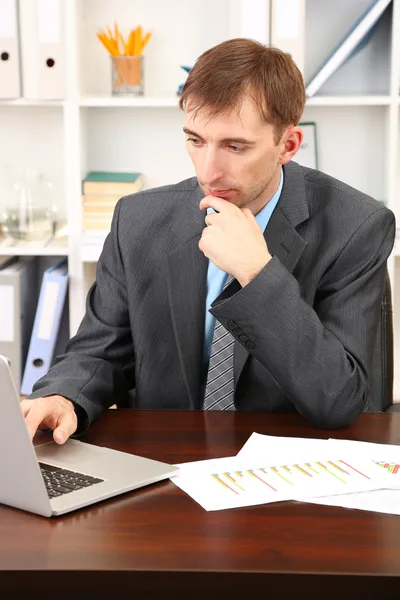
x=219, y=193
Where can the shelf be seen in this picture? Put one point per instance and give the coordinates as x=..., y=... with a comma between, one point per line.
x=26, y=102
x=348, y=101
x=128, y=102
x=172, y=102
x=32, y=249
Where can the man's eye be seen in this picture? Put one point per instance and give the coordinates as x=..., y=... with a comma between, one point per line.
x=236, y=149
x=194, y=141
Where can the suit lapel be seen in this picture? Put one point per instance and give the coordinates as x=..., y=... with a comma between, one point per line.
x=282, y=239
x=187, y=275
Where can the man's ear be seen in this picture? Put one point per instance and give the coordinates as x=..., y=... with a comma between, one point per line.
x=290, y=143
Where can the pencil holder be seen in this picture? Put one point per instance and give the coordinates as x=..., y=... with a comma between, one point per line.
x=127, y=75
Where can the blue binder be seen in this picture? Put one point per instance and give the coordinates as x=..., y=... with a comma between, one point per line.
x=46, y=327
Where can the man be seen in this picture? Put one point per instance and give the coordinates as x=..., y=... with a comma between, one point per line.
x=306, y=254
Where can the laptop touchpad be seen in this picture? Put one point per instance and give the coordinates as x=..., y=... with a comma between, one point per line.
x=70, y=454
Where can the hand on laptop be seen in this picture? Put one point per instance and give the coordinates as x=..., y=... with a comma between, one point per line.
x=52, y=412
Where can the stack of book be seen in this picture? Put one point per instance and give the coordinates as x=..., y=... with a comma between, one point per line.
x=101, y=190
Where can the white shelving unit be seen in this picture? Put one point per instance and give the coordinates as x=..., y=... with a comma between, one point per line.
x=26, y=250
x=356, y=111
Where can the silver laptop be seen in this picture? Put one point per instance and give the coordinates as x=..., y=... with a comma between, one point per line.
x=50, y=479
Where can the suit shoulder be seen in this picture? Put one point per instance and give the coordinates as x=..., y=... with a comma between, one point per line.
x=161, y=194
x=323, y=188
x=153, y=208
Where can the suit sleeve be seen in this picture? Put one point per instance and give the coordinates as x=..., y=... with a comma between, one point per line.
x=320, y=355
x=99, y=360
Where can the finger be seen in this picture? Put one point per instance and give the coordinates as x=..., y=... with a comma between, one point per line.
x=211, y=219
x=36, y=416
x=26, y=406
x=251, y=219
x=65, y=428
x=247, y=212
x=217, y=204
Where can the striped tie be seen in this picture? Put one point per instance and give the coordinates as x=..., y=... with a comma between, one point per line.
x=219, y=394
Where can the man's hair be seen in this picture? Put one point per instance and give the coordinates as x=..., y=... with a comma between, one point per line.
x=225, y=74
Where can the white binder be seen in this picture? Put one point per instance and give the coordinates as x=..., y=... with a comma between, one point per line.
x=288, y=22
x=10, y=77
x=42, y=49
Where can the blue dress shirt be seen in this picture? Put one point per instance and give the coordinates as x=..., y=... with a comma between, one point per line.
x=216, y=278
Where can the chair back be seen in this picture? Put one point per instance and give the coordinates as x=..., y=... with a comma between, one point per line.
x=380, y=396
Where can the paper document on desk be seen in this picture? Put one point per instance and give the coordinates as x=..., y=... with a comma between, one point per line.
x=385, y=455
x=263, y=445
x=277, y=475
x=382, y=501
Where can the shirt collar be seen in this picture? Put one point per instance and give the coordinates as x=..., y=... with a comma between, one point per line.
x=265, y=213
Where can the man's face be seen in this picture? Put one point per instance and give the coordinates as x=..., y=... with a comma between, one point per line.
x=234, y=155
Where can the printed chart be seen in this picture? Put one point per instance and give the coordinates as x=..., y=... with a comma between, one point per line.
x=277, y=479
x=229, y=482
x=391, y=467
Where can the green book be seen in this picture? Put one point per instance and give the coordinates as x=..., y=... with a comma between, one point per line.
x=110, y=183
x=112, y=176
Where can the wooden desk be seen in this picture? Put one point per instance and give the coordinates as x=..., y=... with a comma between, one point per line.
x=157, y=542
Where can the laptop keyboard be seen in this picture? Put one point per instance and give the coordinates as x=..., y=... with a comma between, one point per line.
x=60, y=481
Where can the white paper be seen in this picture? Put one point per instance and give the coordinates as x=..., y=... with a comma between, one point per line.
x=6, y=313
x=287, y=19
x=388, y=457
x=260, y=445
x=47, y=312
x=49, y=22
x=382, y=501
x=8, y=20
x=234, y=482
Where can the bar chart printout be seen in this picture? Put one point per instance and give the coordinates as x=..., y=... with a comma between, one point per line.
x=231, y=485
x=385, y=500
x=278, y=479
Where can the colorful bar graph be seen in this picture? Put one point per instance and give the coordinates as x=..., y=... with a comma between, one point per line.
x=251, y=472
x=276, y=471
x=278, y=479
x=354, y=469
x=391, y=467
x=299, y=468
x=233, y=480
x=225, y=485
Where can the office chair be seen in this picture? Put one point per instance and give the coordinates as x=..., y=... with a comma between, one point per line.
x=380, y=396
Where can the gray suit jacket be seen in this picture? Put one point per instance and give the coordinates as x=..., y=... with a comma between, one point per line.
x=305, y=327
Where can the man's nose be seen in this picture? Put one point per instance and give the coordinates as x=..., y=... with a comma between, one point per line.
x=211, y=169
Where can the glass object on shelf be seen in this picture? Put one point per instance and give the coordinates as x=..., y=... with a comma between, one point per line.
x=30, y=209
x=127, y=75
